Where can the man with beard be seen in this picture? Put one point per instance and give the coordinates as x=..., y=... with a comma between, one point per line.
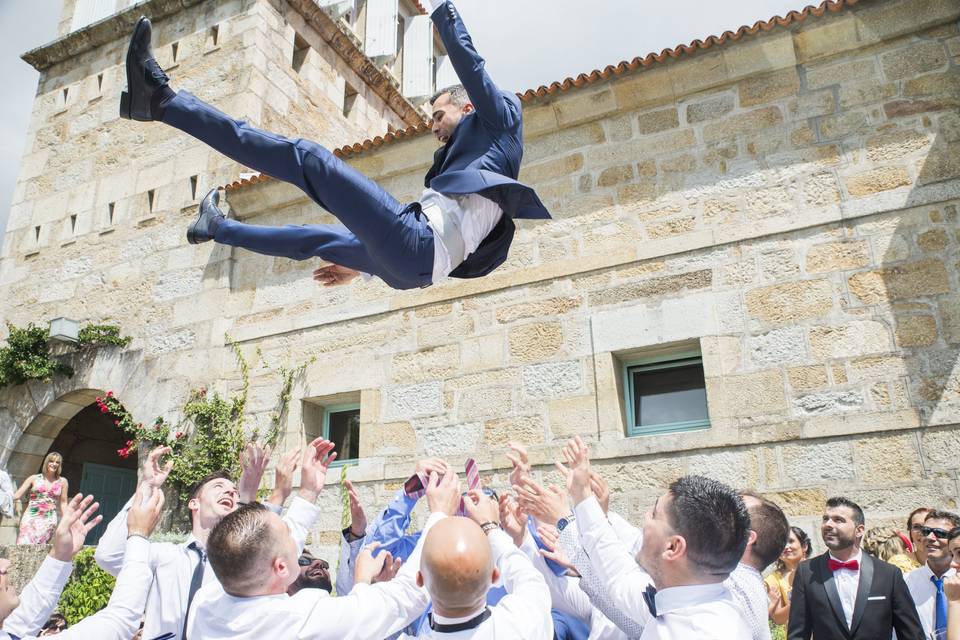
x=926, y=583
x=314, y=574
x=833, y=592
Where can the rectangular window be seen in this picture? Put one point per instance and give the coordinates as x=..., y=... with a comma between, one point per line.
x=665, y=394
x=341, y=426
x=300, y=49
x=349, y=100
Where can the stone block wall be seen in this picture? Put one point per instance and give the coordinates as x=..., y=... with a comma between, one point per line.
x=786, y=204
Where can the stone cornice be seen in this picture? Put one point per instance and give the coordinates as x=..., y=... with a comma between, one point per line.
x=334, y=33
x=113, y=27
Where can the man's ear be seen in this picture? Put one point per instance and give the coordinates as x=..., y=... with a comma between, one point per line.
x=752, y=538
x=494, y=575
x=467, y=108
x=419, y=579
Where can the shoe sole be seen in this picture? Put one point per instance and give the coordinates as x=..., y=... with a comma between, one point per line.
x=125, y=102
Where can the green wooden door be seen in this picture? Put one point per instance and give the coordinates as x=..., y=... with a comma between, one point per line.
x=111, y=487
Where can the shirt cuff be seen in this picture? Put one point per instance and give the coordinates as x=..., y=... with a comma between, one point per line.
x=276, y=508
x=589, y=514
x=52, y=575
x=138, y=549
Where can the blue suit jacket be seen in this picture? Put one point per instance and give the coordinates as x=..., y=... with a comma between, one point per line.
x=484, y=152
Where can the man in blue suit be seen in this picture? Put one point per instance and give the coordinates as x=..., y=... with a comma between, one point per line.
x=461, y=227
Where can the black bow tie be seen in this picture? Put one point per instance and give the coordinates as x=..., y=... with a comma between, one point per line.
x=472, y=623
x=649, y=596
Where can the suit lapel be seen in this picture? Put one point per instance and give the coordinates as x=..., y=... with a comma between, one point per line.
x=863, y=590
x=830, y=585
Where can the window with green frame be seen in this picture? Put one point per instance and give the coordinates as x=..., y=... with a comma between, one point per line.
x=341, y=426
x=665, y=394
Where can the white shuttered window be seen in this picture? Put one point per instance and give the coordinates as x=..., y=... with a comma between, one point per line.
x=418, y=57
x=381, y=33
x=87, y=12
x=446, y=76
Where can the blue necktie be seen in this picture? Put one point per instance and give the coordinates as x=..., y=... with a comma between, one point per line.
x=649, y=596
x=940, y=624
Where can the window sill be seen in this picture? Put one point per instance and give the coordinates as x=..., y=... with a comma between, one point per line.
x=106, y=230
x=31, y=253
x=67, y=243
x=663, y=429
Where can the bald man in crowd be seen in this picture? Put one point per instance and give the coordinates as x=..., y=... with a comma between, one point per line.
x=462, y=558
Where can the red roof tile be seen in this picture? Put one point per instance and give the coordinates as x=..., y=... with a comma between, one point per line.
x=832, y=6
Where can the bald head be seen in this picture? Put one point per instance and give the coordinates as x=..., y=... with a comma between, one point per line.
x=457, y=566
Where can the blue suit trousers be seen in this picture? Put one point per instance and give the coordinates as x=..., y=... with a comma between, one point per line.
x=379, y=235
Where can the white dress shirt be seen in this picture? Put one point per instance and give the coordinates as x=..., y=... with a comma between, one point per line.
x=848, y=581
x=368, y=612
x=701, y=612
x=118, y=621
x=746, y=586
x=460, y=223
x=174, y=564
x=924, y=595
x=624, y=580
x=522, y=614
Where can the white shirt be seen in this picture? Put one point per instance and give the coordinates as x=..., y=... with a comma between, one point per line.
x=468, y=217
x=367, y=612
x=522, y=614
x=924, y=595
x=701, y=612
x=118, y=621
x=746, y=586
x=174, y=565
x=848, y=581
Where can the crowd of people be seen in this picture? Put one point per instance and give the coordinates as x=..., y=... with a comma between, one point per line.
x=533, y=561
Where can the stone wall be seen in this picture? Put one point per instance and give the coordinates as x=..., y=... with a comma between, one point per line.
x=786, y=203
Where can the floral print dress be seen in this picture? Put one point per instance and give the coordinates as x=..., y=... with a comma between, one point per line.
x=40, y=518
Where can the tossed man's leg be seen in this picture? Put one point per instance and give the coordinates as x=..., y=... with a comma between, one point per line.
x=395, y=235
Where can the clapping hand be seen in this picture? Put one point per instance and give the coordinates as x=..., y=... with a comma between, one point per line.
x=512, y=518
x=358, y=519
x=520, y=461
x=253, y=460
x=481, y=508
x=577, y=469
x=600, y=489
x=154, y=474
x=334, y=274
x=313, y=468
x=73, y=527
x=283, y=477
x=546, y=504
x=145, y=513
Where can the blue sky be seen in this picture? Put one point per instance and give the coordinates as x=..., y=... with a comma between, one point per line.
x=527, y=43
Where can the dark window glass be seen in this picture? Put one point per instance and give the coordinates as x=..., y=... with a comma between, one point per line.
x=344, y=432
x=665, y=394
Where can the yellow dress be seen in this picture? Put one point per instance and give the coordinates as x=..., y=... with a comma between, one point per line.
x=777, y=579
x=905, y=563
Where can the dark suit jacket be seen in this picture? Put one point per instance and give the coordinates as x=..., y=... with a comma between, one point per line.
x=883, y=604
x=484, y=152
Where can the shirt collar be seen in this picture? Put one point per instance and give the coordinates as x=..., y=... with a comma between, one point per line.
x=674, y=598
x=743, y=566
x=445, y=620
x=929, y=572
x=857, y=557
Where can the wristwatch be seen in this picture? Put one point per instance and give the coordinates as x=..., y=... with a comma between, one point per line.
x=563, y=522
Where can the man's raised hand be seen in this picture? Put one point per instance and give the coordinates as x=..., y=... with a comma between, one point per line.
x=370, y=568
x=546, y=504
x=512, y=518
x=313, y=468
x=443, y=493
x=520, y=461
x=73, y=527
x=553, y=551
x=577, y=469
x=155, y=474
x=334, y=274
x=600, y=489
x=283, y=477
x=253, y=461
x=358, y=518
x=481, y=508
x=145, y=513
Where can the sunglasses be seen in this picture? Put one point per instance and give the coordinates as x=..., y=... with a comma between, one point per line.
x=304, y=561
x=943, y=534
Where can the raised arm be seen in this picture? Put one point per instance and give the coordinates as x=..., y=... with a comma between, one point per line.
x=497, y=109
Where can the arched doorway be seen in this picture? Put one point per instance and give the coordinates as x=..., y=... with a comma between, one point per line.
x=89, y=444
x=88, y=440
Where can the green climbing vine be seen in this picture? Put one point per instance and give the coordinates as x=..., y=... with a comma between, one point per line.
x=27, y=353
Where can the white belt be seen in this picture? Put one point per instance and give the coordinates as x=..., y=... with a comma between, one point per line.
x=447, y=231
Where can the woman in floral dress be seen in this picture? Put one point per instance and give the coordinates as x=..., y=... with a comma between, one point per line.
x=48, y=493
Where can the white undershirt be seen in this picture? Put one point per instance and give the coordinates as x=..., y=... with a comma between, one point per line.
x=472, y=215
x=848, y=581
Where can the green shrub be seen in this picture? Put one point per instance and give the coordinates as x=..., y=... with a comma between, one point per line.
x=88, y=589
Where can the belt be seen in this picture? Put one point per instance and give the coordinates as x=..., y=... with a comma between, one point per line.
x=447, y=231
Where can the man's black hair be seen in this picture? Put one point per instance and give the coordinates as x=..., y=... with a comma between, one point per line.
x=713, y=520
x=840, y=501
